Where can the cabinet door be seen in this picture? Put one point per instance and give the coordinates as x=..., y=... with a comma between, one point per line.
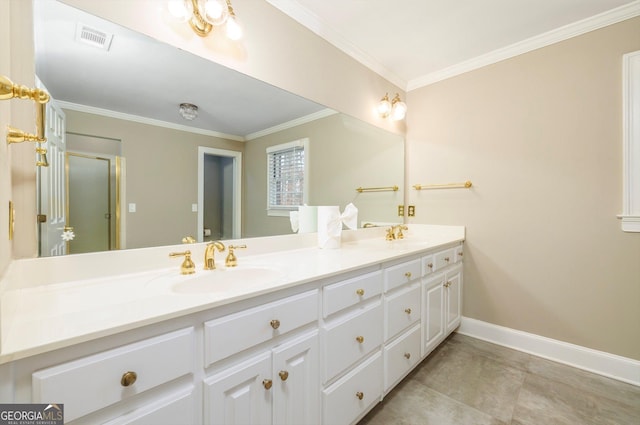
x=241, y=394
x=433, y=322
x=296, y=383
x=453, y=296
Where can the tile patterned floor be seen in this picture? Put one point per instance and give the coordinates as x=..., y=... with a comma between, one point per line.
x=466, y=381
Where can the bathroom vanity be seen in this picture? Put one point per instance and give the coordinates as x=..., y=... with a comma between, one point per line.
x=293, y=335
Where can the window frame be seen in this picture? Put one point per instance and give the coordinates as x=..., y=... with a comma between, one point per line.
x=284, y=210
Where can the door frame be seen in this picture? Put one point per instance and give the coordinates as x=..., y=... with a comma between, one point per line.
x=237, y=189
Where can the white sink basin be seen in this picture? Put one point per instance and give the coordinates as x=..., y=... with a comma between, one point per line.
x=225, y=279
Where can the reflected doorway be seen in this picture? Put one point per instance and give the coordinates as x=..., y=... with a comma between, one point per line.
x=219, y=194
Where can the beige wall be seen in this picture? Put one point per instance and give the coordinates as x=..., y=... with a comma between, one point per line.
x=540, y=136
x=161, y=175
x=344, y=153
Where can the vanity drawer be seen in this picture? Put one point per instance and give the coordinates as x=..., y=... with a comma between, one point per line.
x=236, y=332
x=428, y=264
x=402, y=309
x=350, y=292
x=401, y=356
x=351, y=396
x=400, y=274
x=351, y=338
x=444, y=258
x=91, y=383
x=459, y=253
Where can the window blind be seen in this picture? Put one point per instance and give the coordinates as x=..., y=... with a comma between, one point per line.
x=286, y=169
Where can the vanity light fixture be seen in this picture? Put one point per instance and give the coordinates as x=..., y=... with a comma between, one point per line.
x=188, y=111
x=396, y=108
x=204, y=15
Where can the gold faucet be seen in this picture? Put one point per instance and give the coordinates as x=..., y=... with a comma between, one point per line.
x=391, y=232
x=187, y=266
x=209, y=258
x=231, y=260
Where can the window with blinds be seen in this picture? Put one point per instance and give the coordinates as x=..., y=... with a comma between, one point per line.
x=287, y=180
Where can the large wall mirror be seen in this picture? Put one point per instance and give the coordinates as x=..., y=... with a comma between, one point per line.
x=128, y=171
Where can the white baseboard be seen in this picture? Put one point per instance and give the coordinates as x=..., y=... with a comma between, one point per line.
x=606, y=364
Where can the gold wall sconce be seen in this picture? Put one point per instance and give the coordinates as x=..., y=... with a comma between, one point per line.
x=205, y=15
x=8, y=90
x=396, y=108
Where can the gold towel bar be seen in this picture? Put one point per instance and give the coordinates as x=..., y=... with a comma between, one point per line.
x=465, y=185
x=377, y=189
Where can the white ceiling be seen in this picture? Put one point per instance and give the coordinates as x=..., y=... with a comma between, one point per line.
x=416, y=42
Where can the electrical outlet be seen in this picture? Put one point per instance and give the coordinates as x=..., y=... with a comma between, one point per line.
x=400, y=210
x=412, y=211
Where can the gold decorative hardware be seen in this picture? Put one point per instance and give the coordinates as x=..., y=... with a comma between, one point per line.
x=400, y=210
x=465, y=185
x=408, y=275
x=430, y=265
x=395, y=108
x=15, y=135
x=188, y=266
x=198, y=12
x=188, y=239
x=283, y=375
x=407, y=356
x=360, y=292
x=275, y=324
x=8, y=90
x=128, y=379
x=12, y=220
x=460, y=253
x=447, y=284
x=360, y=395
x=395, y=232
x=209, y=257
x=232, y=260
x=407, y=310
x=41, y=218
x=360, y=339
x=411, y=211
x=267, y=383
x=378, y=189
x=446, y=259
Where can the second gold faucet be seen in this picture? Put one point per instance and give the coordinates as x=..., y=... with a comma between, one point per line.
x=209, y=257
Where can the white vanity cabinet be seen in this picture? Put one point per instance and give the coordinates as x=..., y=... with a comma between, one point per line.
x=278, y=382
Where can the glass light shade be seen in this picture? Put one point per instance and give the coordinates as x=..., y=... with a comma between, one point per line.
x=188, y=111
x=398, y=111
x=181, y=10
x=384, y=107
x=234, y=30
x=215, y=12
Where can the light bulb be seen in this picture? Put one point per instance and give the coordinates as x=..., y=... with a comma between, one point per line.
x=384, y=106
x=180, y=9
x=398, y=111
x=215, y=12
x=234, y=30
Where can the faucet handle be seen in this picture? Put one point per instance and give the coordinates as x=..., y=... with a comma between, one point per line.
x=188, y=239
x=232, y=260
x=187, y=266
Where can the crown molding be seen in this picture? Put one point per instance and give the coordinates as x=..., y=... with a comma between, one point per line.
x=293, y=123
x=143, y=120
x=313, y=23
x=566, y=32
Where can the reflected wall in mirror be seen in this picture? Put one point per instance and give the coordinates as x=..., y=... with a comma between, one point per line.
x=128, y=91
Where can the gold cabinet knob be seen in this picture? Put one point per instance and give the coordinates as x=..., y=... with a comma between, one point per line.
x=360, y=292
x=128, y=379
x=283, y=375
x=407, y=355
x=407, y=310
x=267, y=383
x=360, y=339
x=275, y=324
x=430, y=265
x=360, y=395
x=460, y=253
x=446, y=285
x=408, y=275
x=446, y=259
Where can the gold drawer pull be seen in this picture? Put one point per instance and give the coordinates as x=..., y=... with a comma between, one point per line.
x=430, y=265
x=275, y=324
x=128, y=379
x=460, y=254
x=360, y=292
x=360, y=339
x=360, y=395
x=407, y=355
x=283, y=375
x=407, y=310
x=446, y=285
x=267, y=383
x=408, y=275
x=446, y=259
